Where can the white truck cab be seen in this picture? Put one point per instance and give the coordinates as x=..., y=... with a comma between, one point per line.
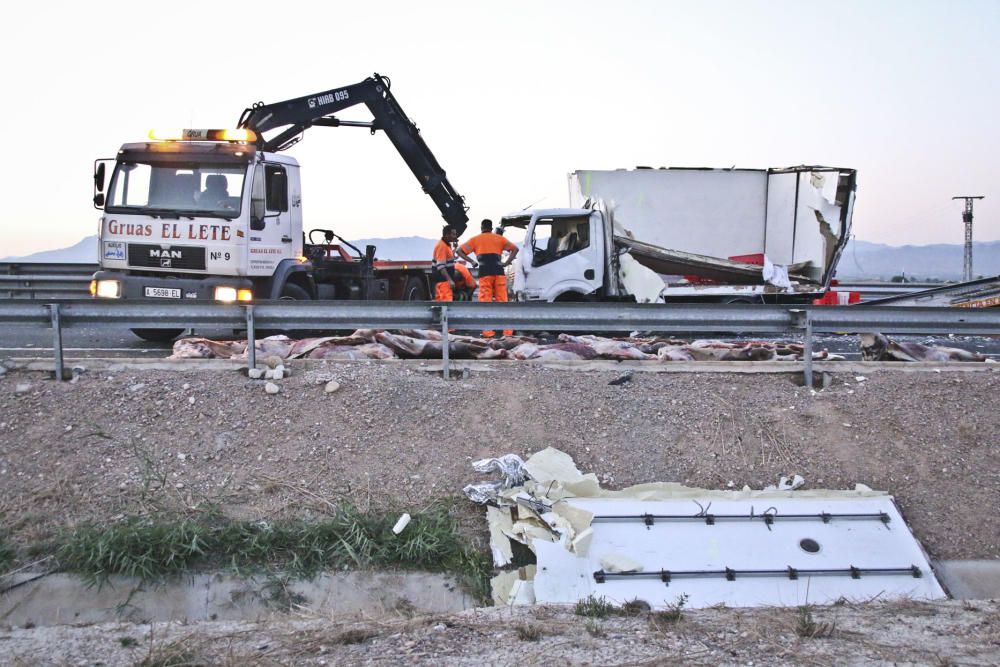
x=189, y=218
x=563, y=255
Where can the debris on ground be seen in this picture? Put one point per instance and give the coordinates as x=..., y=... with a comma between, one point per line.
x=658, y=541
x=877, y=347
x=427, y=344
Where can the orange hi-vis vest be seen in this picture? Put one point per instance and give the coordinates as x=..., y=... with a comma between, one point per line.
x=444, y=257
x=489, y=248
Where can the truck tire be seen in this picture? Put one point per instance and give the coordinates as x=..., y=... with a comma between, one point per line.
x=415, y=289
x=293, y=292
x=158, y=335
x=289, y=292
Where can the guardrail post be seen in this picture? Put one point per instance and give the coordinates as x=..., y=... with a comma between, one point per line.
x=445, y=372
x=808, y=352
x=251, y=340
x=57, y=340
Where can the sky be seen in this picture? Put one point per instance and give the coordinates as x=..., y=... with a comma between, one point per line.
x=513, y=96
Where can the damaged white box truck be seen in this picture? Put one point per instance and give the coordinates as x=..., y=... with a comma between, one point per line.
x=682, y=234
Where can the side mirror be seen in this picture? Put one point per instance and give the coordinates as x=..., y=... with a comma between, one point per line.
x=99, y=177
x=99, y=200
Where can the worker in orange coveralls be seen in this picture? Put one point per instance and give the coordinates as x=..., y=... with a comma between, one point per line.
x=465, y=280
x=444, y=263
x=489, y=249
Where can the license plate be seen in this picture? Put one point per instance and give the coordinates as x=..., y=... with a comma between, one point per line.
x=163, y=292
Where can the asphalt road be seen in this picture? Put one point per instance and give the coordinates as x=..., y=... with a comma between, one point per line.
x=29, y=342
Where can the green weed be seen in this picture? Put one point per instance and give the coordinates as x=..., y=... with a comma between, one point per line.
x=594, y=607
x=7, y=554
x=673, y=612
x=152, y=550
x=807, y=627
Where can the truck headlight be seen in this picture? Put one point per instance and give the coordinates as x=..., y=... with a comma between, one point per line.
x=225, y=294
x=109, y=289
x=244, y=295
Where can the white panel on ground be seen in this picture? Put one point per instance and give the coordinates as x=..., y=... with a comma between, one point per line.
x=832, y=557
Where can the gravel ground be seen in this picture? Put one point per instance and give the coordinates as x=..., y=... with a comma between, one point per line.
x=948, y=633
x=118, y=443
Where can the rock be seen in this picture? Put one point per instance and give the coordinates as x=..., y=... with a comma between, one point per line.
x=191, y=400
x=331, y=386
x=137, y=387
x=273, y=361
x=22, y=388
x=271, y=388
x=278, y=373
x=185, y=386
x=3, y=371
x=255, y=373
x=269, y=374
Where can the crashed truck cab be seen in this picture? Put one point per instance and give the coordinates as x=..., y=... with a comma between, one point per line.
x=562, y=256
x=198, y=215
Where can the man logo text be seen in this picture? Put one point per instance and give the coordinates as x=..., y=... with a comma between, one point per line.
x=165, y=254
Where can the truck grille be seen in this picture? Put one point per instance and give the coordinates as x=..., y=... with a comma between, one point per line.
x=166, y=257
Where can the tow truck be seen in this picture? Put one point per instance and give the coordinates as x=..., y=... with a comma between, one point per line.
x=216, y=215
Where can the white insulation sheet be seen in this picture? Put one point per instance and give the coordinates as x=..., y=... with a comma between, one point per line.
x=740, y=545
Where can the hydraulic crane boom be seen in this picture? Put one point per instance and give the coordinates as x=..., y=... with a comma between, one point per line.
x=304, y=112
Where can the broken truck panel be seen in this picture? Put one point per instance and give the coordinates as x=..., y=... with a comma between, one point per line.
x=678, y=262
x=664, y=542
x=738, y=553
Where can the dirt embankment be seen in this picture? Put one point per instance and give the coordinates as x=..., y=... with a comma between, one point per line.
x=131, y=442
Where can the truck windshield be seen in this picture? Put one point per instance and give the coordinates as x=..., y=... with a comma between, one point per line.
x=176, y=189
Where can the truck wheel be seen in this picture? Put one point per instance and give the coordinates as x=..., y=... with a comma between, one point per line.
x=158, y=335
x=415, y=290
x=289, y=292
x=292, y=292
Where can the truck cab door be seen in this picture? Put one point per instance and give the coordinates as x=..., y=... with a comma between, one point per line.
x=562, y=254
x=271, y=237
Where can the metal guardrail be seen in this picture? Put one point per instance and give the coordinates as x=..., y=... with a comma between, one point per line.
x=51, y=268
x=50, y=280
x=597, y=317
x=60, y=280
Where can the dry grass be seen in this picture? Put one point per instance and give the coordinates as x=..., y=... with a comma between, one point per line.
x=354, y=636
x=528, y=633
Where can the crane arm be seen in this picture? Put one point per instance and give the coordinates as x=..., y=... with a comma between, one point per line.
x=301, y=113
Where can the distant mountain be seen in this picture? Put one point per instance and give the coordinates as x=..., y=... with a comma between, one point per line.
x=876, y=261
x=84, y=252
